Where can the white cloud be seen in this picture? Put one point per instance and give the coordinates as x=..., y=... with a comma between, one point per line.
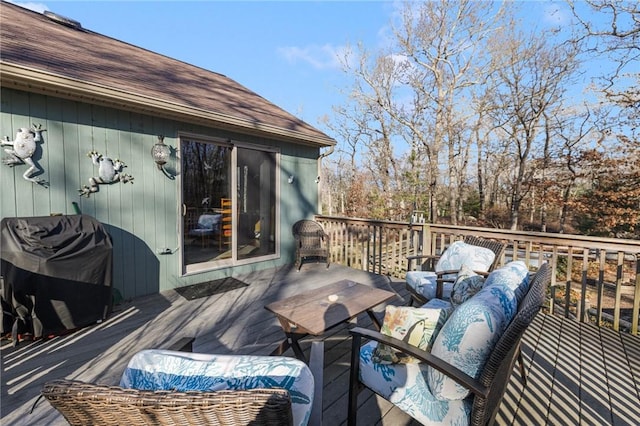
x=320, y=57
x=36, y=7
x=556, y=14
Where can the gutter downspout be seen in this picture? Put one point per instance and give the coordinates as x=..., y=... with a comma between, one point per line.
x=318, y=178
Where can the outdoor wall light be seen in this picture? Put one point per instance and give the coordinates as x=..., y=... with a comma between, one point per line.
x=160, y=153
x=291, y=179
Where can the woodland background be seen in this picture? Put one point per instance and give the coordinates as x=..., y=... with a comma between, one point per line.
x=467, y=117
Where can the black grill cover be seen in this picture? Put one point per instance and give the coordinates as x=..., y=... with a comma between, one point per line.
x=56, y=271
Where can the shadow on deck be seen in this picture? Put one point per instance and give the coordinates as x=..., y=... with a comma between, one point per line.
x=577, y=373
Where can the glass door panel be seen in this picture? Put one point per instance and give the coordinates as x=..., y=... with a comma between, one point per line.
x=206, y=197
x=256, y=203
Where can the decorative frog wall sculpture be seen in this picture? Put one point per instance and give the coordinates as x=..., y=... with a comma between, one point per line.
x=109, y=171
x=22, y=149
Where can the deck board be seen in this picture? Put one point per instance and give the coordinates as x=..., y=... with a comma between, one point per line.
x=576, y=373
x=624, y=401
x=595, y=400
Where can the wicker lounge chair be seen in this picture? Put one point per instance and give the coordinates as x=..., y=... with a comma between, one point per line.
x=169, y=387
x=311, y=241
x=420, y=389
x=442, y=278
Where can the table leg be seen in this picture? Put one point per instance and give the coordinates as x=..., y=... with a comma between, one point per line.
x=291, y=342
x=374, y=318
x=297, y=350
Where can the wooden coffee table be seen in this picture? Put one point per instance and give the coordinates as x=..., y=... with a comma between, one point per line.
x=316, y=311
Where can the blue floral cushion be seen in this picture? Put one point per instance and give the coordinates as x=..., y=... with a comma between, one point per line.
x=467, y=338
x=514, y=274
x=460, y=253
x=415, y=326
x=406, y=387
x=181, y=371
x=467, y=284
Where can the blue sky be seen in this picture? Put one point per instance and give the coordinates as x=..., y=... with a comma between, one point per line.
x=285, y=51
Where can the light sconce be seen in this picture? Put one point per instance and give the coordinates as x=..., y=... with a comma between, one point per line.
x=160, y=153
x=291, y=179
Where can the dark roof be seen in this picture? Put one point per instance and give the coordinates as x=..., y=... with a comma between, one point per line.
x=39, y=53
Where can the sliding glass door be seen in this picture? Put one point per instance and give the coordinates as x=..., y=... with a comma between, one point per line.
x=221, y=226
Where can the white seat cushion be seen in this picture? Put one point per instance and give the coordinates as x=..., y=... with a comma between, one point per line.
x=424, y=283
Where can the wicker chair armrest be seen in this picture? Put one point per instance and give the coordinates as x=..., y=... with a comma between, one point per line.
x=318, y=233
x=432, y=259
x=449, y=370
x=324, y=236
x=440, y=275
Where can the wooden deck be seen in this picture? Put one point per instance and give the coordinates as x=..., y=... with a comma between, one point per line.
x=577, y=373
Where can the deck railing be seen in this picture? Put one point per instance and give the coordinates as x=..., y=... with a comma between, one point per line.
x=594, y=279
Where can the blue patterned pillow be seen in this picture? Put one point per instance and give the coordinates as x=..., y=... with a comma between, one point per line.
x=466, y=286
x=514, y=274
x=468, y=337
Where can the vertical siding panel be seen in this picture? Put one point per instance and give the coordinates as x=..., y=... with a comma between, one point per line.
x=24, y=188
x=41, y=194
x=153, y=265
x=111, y=193
x=170, y=212
x=8, y=204
x=78, y=143
x=56, y=161
x=162, y=187
x=99, y=144
x=142, y=256
x=126, y=200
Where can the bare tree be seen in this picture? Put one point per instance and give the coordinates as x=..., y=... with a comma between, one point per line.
x=530, y=79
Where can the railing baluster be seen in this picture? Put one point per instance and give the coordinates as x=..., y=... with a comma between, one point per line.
x=582, y=305
x=636, y=298
x=618, y=296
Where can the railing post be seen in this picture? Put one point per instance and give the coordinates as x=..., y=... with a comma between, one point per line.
x=426, y=239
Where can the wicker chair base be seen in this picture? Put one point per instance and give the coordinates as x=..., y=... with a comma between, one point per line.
x=90, y=404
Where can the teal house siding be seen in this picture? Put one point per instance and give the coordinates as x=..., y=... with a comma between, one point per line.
x=94, y=93
x=142, y=217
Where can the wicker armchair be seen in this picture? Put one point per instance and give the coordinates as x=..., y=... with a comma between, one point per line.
x=168, y=387
x=428, y=264
x=91, y=404
x=486, y=389
x=311, y=241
